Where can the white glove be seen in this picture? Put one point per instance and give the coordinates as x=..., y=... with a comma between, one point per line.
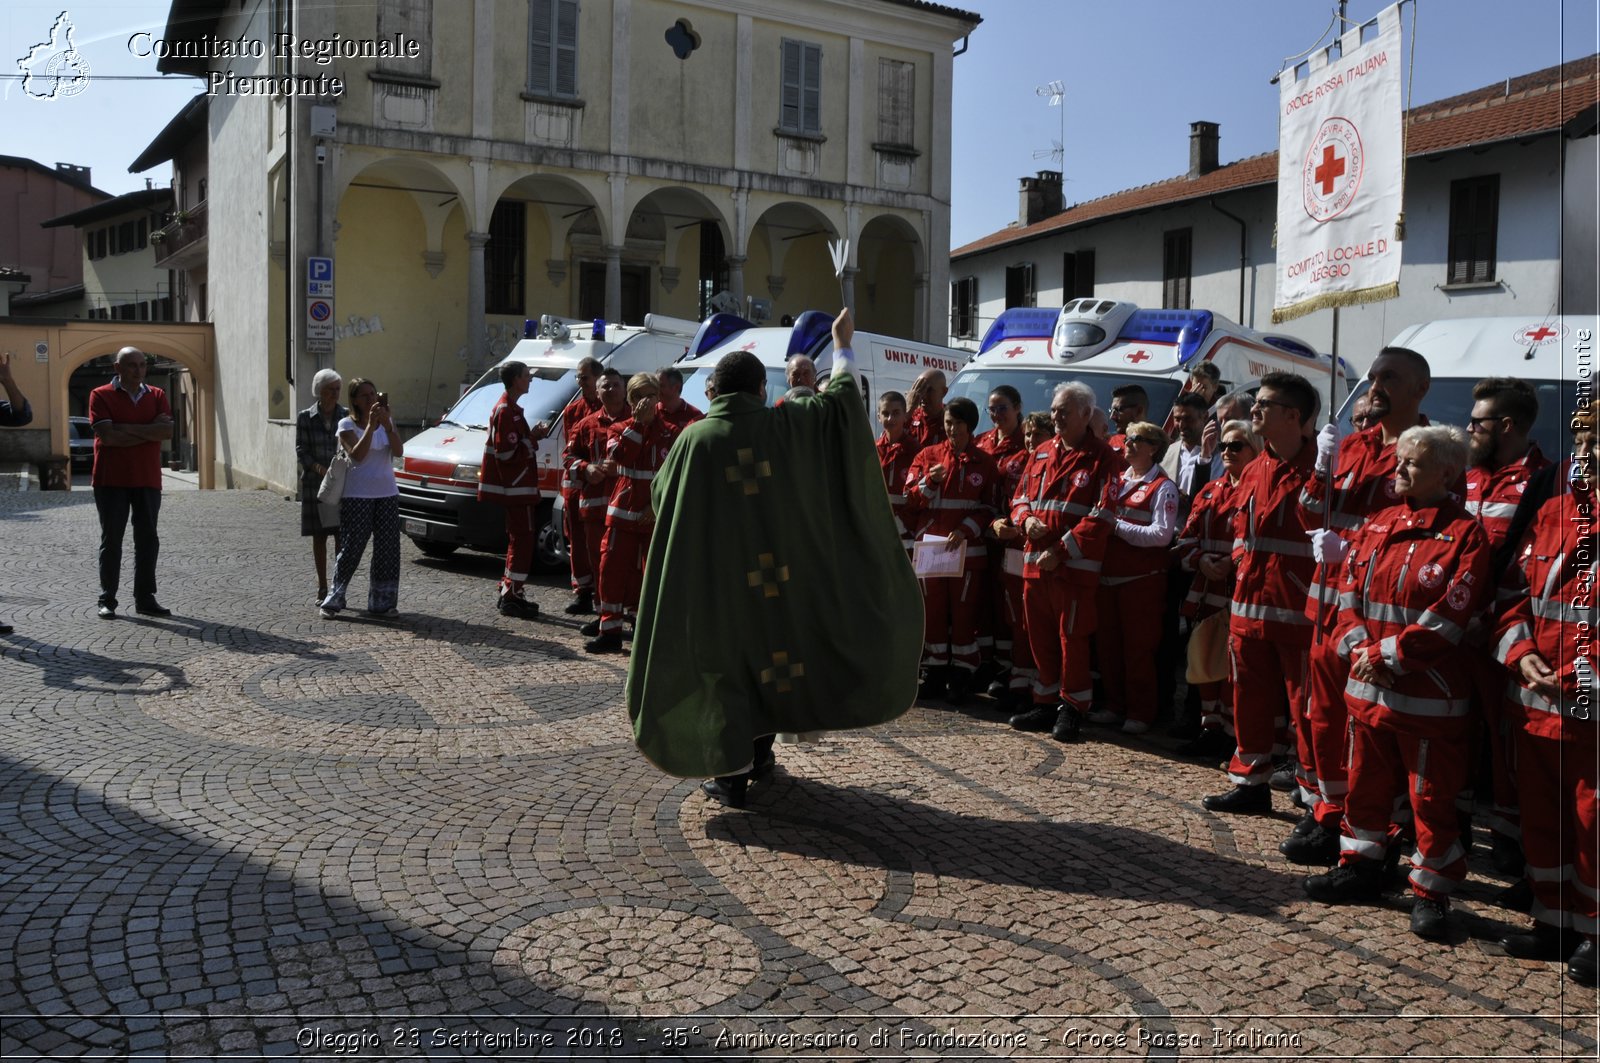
x=1327, y=547
x=1327, y=446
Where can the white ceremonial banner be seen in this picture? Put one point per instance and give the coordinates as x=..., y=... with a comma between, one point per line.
x=1340, y=165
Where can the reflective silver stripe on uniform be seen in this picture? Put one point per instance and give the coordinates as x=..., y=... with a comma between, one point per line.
x=1567, y=705
x=1441, y=625
x=1252, y=611
x=1082, y=566
x=637, y=474
x=1551, y=916
x=1345, y=523
x=1369, y=844
x=1138, y=517
x=1497, y=510
x=1056, y=505
x=1552, y=578
x=1286, y=547
x=956, y=503
x=1216, y=546
x=1563, y=873
x=1074, y=551
x=1033, y=557
x=1389, y=613
x=897, y=500
x=1411, y=705
x=1432, y=880
x=1352, y=638
x=632, y=435
x=626, y=514
x=1389, y=651
x=1563, y=611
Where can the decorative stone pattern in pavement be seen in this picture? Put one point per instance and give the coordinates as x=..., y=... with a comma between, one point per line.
x=248, y=832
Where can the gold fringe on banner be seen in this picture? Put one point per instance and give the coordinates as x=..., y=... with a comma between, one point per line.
x=1333, y=299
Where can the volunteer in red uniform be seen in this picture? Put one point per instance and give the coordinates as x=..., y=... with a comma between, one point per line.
x=1504, y=465
x=1133, y=584
x=1268, y=631
x=950, y=493
x=895, y=451
x=589, y=464
x=675, y=411
x=509, y=477
x=1017, y=693
x=1204, y=548
x=926, y=423
x=1063, y=507
x=1363, y=483
x=1413, y=579
x=1003, y=443
x=636, y=449
x=585, y=402
x=1547, y=638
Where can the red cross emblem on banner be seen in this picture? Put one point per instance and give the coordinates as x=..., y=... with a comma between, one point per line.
x=1017, y=350
x=1331, y=172
x=1136, y=357
x=1331, y=167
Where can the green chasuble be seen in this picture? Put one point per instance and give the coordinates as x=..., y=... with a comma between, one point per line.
x=777, y=596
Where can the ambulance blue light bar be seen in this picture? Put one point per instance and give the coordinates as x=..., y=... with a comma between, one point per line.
x=715, y=330
x=1020, y=323
x=1185, y=328
x=811, y=330
x=1293, y=346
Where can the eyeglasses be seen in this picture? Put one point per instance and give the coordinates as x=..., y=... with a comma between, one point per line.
x=1267, y=403
x=1000, y=409
x=1233, y=446
x=1474, y=422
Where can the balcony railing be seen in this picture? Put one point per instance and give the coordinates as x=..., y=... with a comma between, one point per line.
x=180, y=244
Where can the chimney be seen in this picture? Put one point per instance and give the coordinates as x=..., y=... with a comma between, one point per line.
x=1040, y=197
x=78, y=175
x=1202, y=148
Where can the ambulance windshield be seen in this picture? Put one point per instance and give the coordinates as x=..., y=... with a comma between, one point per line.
x=1449, y=401
x=696, y=379
x=1037, y=386
x=551, y=390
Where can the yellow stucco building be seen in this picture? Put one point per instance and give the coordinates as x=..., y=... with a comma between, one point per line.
x=480, y=162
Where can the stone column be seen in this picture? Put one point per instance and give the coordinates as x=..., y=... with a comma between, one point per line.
x=919, y=309
x=613, y=283
x=477, y=326
x=736, y=278
x=847, y=282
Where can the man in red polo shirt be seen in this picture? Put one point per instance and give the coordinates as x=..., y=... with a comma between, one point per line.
x=130, y=421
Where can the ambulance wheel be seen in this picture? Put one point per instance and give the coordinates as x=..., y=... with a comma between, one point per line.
x=436, y=549
x=550, y=548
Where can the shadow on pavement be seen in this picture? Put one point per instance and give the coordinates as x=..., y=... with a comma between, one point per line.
x=68, y=668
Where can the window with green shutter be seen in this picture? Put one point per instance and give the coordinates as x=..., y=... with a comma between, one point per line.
x=553, y=48
x=801, y=105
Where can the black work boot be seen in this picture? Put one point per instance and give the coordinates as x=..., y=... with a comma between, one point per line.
x=1541, y=942
x=932, y=684
x=1038, y=718
x=1318, y=847
x=1582, y=965
x=1068, y=724
x=1430, y=917
x=1354, y=883
x=1243, y=800
x=581, y=605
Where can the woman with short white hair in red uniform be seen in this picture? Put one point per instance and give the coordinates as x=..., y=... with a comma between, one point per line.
x=1133, y=583
x=1415, y=575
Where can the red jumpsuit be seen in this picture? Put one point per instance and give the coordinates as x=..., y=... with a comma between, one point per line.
x=1363, y=483
x=996, y=631
x=895, y=460
x=1492, y=497
x=964, y=502
x=1133, y=589
x=1069, y=490
x=924, y=428
x=675, y=421
x=1549, y=598
x=588, y=445
x=1414, y=578
x=638, y=451
x=1268, y=630
x=509, y=476
x=1209, y=531
x=577, y=556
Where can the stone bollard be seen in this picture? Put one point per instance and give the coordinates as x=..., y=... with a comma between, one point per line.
x=55, y=474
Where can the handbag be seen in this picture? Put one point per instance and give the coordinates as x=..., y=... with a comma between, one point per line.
x=331, y=490
x=1208, y=650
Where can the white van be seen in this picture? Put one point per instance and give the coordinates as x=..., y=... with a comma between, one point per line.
x=1107, y=343
x=1554, y=354
x=883, y=363
x=438, y=476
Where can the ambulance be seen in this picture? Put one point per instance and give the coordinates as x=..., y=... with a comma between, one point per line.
x=1555, y=354
x=883, y=363
x=1108, y=343
x=438, y=476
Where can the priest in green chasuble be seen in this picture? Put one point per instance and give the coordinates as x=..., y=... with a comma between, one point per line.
x=777, y=595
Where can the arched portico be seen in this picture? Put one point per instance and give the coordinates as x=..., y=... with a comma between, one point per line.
x=790, y=261
x=892, y=282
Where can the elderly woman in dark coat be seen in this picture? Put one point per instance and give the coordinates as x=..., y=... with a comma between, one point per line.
x=315, y=440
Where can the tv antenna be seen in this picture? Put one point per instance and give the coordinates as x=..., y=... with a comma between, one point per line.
x=1057, y=152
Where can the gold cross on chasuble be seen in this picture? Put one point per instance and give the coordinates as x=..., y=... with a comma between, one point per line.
x=749, y=471
x=768, y=576
x=782, y=672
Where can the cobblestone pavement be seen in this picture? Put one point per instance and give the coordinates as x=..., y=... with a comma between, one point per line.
x=245, y=832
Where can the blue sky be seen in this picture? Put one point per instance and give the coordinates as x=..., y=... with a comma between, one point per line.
x=1137, y=72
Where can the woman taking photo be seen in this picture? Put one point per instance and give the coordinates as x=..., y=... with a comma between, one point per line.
x=371, y=504
x=316, y=436
x=1205, y=547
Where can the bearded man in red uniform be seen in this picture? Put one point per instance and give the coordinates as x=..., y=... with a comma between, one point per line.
x=589, y=465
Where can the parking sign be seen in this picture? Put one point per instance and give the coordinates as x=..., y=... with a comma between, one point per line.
x=319, y=276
